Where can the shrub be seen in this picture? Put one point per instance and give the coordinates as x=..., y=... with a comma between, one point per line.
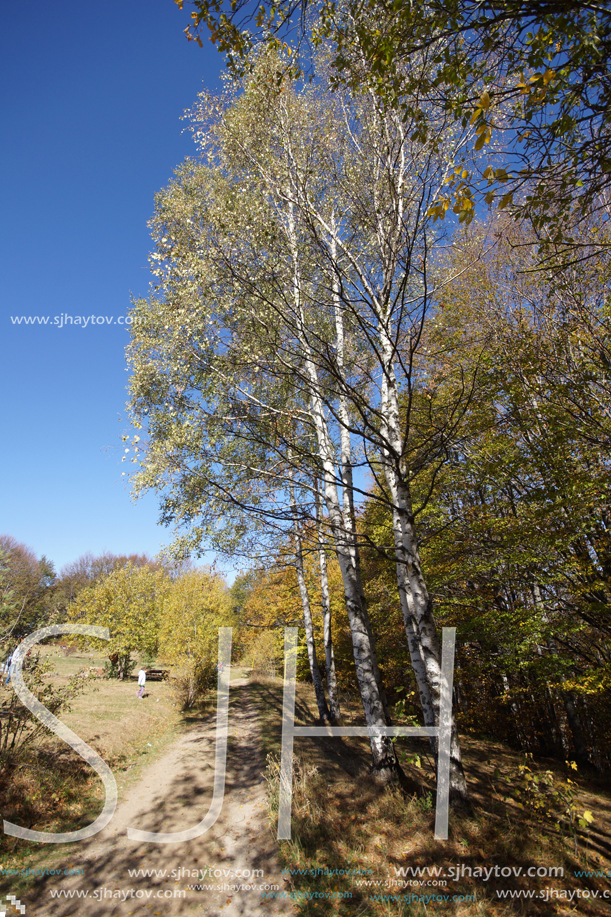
x=19, y=728
x=193, y=682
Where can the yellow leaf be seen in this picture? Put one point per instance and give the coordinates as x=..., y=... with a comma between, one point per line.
x=475, y=115
x=484, y=102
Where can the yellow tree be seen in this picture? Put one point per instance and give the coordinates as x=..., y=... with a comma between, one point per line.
x=273, y=603
x=196, y=605
x=130, y=602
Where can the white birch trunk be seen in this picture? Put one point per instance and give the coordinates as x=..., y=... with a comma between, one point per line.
x=346, y=457
x=416, y=603
x=385, y=764
x=326, y=616
x=323, y=710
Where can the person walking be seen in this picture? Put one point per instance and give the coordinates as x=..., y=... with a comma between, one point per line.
x=141, y=682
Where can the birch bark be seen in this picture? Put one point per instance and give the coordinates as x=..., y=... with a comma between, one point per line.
x=385, y=764
x=416, y=603
x=323, y=710
x=334, y=705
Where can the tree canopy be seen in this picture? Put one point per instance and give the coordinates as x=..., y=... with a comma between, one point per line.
x=531, y=78
x=129, y=601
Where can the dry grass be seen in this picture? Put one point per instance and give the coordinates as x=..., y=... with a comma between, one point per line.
x=50, y=788
x=341, y=821
x=112, y=719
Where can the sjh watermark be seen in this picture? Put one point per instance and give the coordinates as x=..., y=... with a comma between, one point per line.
x=14, y=904
x=442, y=732
x=78, y=321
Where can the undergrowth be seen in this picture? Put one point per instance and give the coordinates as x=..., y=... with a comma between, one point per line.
x=346, y=832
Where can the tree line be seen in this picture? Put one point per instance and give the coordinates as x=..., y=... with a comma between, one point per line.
x=152, y=609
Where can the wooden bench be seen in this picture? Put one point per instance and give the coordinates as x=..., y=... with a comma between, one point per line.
x=157, y=674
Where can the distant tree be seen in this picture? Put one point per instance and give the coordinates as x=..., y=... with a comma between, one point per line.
x=196, y=605
x=8, y=602
x=272, y=604
x=25, y=586
x=240, y=591
x=130, y=601
x=87, y=570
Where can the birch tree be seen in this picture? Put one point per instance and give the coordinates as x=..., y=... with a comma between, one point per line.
x=334, y=704
x=293, y=292
x=251, y=346
x=535, y=76
x=359, y=196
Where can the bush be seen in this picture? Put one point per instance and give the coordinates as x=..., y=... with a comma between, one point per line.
x=19, y=728
x=193, y=682
x=547, y=797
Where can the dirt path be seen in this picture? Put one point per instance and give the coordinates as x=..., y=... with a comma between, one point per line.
x=174, y=794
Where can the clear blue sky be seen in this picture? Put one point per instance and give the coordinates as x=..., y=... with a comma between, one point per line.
x=91, y=105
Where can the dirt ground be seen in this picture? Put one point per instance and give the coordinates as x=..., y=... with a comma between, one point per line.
x=173, y=794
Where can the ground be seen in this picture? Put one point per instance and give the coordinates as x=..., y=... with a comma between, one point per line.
x=171, y=794
x=355, y=847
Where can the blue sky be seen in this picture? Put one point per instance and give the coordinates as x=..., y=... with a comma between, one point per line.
x=91, y=129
